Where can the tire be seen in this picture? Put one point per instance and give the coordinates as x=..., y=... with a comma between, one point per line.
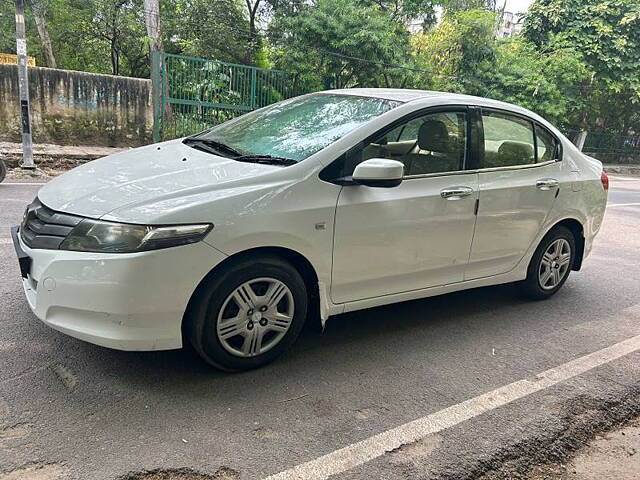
x=234, y=328
x=3, y=170
x=560, y=246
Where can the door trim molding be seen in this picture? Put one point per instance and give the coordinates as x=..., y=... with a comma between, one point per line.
x=481, y=170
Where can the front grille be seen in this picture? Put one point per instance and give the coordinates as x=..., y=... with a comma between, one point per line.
x=45, y=228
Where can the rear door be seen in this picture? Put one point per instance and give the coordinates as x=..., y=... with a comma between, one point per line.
x=519, y=180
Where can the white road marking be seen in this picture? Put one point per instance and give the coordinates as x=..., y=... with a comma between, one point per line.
x=623, y=204
x=618, y=178
x=361, y=452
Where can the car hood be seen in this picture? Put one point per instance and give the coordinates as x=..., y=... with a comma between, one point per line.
x=145, y=175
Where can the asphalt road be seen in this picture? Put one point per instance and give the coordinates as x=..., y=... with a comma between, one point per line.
x=78, y=411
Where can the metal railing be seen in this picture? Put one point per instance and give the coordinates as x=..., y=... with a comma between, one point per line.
x=605, y=142
x=610, y=148
x=199, y=93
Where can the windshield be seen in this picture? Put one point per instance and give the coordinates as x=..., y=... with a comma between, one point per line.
x=297, y=128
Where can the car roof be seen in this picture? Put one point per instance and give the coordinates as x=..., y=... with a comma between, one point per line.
x=397, y=94
x=408, y=95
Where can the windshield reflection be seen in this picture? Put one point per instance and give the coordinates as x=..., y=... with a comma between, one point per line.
x=299, y=127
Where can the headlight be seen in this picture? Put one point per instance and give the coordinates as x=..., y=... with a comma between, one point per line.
x=110, y=237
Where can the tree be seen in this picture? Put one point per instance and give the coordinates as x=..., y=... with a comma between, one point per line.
x=39, y=12
x=337, y=44
x=105, y=36
x=545, y=82
x=216, y=29
x=454, y=51
x=407, y=11
x=607, y=35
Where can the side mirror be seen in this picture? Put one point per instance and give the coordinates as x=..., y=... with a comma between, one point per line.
x=379, y=172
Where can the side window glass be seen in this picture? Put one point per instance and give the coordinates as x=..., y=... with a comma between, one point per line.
x=433, y=143
x=508, y=140
x=547, y=145
x=410, y=130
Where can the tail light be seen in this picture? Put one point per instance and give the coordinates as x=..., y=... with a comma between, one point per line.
x=605, y=181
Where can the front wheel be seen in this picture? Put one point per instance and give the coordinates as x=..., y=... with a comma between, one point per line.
x=248, y=314
x=550, y=265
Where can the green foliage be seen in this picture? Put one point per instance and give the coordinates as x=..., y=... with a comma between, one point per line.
x=548, y=83
x=215, y=29
x=606, y=33
x=576, y=63
x=319, y=42
x=109, y=36
x=454, y=51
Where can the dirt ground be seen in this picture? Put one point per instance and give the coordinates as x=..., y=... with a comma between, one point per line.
x=610, y=456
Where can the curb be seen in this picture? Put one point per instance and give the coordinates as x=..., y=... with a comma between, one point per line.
x=623, y=169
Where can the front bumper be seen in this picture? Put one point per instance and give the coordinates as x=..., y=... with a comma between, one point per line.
x=122, y=301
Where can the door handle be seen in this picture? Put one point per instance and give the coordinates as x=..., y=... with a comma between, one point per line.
x=456, y=193
x=547, y=183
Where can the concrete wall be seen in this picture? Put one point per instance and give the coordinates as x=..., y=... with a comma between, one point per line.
x=78, y=108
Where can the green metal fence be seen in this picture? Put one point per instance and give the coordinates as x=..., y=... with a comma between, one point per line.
x=610, y=148
x=198, y=93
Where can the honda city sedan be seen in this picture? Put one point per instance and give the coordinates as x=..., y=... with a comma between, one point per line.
x=317, y=205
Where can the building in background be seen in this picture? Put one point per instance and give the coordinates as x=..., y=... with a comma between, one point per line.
x=510, y=25
x=415, y=27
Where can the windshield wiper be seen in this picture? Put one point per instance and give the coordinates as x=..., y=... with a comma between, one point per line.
x=215, y=147
x=265, y=159
x=210, y=146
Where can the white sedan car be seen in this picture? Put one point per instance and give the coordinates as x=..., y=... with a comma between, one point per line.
x=311, y=207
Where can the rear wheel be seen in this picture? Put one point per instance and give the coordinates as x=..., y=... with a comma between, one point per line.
x=3, y=170
x=550, y=265
x=248, y=314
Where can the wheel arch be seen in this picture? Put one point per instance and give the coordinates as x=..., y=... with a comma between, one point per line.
x=577, y=229
x=304, y=267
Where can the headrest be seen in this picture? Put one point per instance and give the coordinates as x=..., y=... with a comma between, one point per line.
x=434, y=136
x=521, y=153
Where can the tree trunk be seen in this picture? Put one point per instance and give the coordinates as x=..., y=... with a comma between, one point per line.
x=43, y=32
x=580, y=139
x=252, y=10
x=115, y=58
x=152, y=22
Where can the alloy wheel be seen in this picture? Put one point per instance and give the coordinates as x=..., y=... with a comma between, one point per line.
x=255, y=317
x=554, y=264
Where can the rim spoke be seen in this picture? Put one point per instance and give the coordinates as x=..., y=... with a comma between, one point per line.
x=244, y=297
x=276, y=291
x=547, y=258
x=564, y=259
x=253, y=342
x=544, y=278
x=231, y=327
x=279, y=321
x=556, y=276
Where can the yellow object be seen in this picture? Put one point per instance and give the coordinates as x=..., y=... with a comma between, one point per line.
x=11, y=59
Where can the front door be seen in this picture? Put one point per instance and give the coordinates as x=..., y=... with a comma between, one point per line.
x=518, y=187
x=415, y=235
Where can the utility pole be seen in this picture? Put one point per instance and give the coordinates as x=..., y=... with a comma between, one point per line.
x=23, y=80
x=152, y=22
